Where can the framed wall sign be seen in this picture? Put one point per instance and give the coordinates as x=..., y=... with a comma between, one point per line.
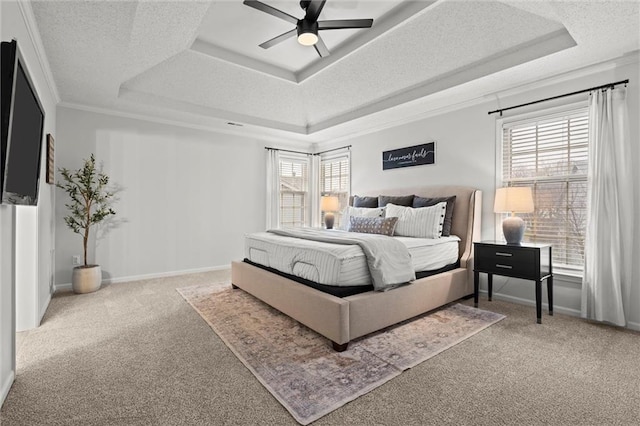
x=410, y=156
x=50, y=157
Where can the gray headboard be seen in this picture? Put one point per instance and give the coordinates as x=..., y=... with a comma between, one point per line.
x=466, y=211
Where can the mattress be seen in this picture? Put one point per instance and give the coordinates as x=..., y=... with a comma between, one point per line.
x=340, y=265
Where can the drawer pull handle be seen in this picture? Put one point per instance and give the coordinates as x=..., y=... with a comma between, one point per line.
x=499, y=253
x=503, y=266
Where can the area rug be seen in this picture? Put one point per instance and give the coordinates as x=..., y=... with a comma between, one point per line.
x=299, y=367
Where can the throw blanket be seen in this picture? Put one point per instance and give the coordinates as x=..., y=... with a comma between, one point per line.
x=389, y=260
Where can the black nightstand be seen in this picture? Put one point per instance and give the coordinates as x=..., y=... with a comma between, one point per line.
x=527, y=261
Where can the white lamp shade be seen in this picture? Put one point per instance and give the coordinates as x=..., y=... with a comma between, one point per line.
x=513, y=199
x=329, y=204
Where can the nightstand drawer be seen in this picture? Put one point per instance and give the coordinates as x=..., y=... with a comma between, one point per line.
x=504, y=260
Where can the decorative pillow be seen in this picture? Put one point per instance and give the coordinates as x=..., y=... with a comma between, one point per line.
x=448, y=216
x=370, y=202
x=360, y=212
x=373, y=225
x=402, y=200
x=424, y=222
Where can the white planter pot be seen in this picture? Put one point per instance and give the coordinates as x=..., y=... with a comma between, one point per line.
x=86, y=279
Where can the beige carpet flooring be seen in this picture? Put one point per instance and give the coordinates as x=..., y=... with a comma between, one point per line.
x=137, y=354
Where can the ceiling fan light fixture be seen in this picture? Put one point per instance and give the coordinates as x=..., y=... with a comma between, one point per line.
x=307, y=39
x=307, y=32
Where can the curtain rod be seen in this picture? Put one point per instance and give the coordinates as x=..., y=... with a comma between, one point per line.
x=334, y=149
x=308, y=153
x=287, y=150
x=561, y=96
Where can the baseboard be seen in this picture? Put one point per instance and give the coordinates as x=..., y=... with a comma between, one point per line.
x=67, y=286
x=560, y=309
x=6, y=386
x=61, y=287
x=521, y=301
x=633, y=326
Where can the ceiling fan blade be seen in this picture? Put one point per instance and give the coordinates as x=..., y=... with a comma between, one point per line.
x=278, y=39
x=313, y=10
x=262, y=7
x=321, y=48
x=343, y=24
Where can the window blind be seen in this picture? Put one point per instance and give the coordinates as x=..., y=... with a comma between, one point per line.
x=335, y=180
x=550, y=155
x=294, y=188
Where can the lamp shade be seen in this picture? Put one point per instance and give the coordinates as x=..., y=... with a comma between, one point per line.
x=513, y=199
x=329, y=204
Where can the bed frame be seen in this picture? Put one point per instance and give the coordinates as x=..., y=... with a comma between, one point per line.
x=344, y=319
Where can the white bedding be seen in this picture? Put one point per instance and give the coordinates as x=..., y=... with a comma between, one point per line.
x=340, y=265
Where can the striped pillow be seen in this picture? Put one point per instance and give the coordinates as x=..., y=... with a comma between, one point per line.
x=423, y=222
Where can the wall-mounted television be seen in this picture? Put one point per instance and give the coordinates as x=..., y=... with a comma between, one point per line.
x=22, y=122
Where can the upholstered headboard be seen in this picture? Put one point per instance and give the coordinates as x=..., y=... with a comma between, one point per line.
x=466, y=212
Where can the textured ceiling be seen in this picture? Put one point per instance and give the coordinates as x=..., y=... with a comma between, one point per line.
x=198, y=61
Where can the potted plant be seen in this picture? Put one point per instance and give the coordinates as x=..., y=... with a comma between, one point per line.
x=89, y=205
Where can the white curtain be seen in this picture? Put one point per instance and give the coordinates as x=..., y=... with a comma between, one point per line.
x=273, y=188
x=314, y=191
x=606, y=283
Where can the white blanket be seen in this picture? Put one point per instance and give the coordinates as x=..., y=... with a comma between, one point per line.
x=389, y=260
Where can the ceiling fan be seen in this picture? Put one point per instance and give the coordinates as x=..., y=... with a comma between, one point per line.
x=307, y=28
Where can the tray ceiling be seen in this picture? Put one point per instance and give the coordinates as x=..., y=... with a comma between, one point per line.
x=199, y=61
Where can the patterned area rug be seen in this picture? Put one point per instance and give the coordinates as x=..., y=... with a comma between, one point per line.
x=299, y=367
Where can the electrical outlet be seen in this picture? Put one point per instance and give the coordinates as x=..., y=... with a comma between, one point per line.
x=76, y=260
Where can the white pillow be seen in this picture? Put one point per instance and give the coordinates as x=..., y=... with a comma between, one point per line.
x=422, y=222
x=359, y=212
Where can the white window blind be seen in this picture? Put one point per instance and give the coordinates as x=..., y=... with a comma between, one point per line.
x=294, y=190
x=335, y=180
x=550, y=155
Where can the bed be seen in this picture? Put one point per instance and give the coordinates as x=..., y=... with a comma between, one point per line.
x=342, y=319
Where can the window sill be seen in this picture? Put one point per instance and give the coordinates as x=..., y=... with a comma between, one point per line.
x=568, y=275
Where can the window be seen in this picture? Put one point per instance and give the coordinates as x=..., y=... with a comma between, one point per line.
x=294, y=191
x=335, y=179
x=550, y=155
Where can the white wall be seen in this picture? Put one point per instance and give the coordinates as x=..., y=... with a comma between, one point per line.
x=187, y=198
x=466, y=155
x=28, y=273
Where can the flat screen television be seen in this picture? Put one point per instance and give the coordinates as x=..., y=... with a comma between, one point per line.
x=22, y=118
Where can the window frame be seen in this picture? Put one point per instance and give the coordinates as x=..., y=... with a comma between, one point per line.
x=307, y=207
x=331, y=157
x=573, y=274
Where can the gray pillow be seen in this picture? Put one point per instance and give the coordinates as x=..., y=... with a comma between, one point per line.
x=369, y=202
x=402, y=200
x=448, y=215
x=373, y=225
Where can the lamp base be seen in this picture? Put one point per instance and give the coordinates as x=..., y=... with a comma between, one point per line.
x=513, y=229
x=329, y=219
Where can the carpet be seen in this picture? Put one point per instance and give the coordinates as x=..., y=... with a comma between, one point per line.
x=299, y=367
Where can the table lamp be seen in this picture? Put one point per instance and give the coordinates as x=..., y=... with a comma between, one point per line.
x=513, y=199
x=328, y=205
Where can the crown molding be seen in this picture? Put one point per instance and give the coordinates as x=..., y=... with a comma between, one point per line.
x=208, y=112
x=34, y=34
x=245, y=131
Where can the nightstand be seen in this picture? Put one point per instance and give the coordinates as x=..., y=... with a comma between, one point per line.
x=527, y=261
